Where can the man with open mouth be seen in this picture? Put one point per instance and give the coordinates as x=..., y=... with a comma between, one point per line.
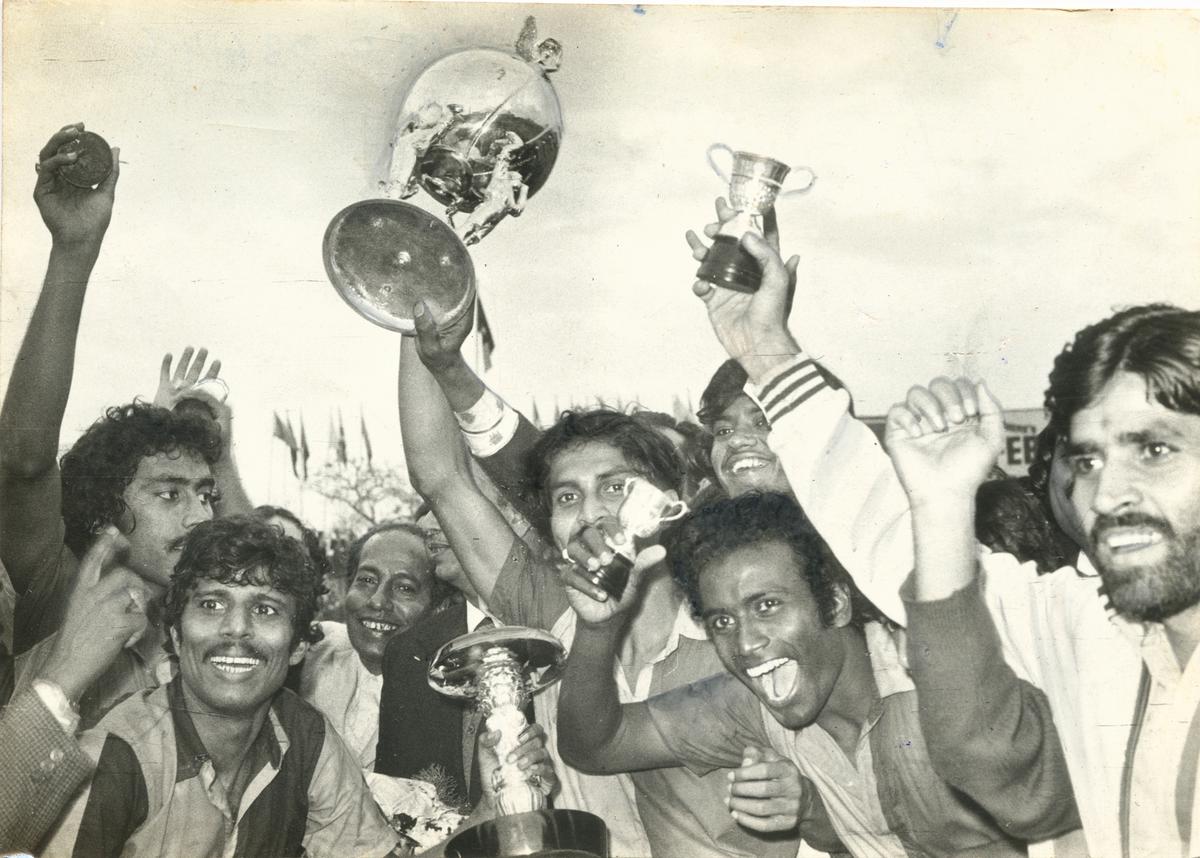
x=788, y=627
x=1090, y=715
x=223, y=760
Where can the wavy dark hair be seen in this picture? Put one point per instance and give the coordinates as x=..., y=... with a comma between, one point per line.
x=697, y=443
x=308, y=536
x=648, y=453
x=242, y=550
x=440, y=591
x=102, y=463
x=713, y=532
x=1159, y=342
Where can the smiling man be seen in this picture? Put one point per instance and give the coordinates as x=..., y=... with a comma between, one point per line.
x=391, y=586
x=223, y=760
x=150, y=471
x=788, y=626
x=1113, y=653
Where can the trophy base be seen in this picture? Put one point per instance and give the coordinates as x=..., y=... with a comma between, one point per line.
x=728, y=265
x=559, y=833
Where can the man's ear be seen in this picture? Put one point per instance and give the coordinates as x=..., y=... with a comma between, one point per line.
x=298, y=652
x=842, y=611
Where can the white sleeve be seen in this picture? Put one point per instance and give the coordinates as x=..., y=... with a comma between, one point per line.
x=842, y=479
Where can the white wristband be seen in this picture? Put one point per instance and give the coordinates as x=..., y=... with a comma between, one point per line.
x=55, y=700
x=488, y=425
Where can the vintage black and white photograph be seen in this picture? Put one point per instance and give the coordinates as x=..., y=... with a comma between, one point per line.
x=611, y=431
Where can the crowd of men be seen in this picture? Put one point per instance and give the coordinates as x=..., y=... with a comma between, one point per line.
x=843, y=648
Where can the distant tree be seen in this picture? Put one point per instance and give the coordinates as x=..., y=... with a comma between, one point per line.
x=366, y=493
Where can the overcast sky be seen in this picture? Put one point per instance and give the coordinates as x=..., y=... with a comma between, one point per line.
x=988, y=181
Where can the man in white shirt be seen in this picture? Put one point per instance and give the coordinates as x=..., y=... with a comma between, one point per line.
x=1126, y=396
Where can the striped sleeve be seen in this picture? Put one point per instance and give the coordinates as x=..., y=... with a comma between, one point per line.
x=841, y=477
x=792, y=384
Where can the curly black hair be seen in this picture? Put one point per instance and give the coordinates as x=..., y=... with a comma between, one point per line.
x=715, y=531
x=242, y=550
x=102, y=463
x=648, y=453
x=308, y=536
x=1159, y=342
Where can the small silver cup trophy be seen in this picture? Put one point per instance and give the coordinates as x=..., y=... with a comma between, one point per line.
x=645, y=509
x=755, y=182
x=499, y=670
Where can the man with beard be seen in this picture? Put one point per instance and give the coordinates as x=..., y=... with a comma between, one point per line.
x=1104, y=671
x=1115, y=655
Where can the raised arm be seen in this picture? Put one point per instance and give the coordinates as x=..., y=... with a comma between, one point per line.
x=989, y=733
x=497, y=435
x=40, y=382
x=596, y=733
x=438, y=468
x=836, y=468
x=186, y=389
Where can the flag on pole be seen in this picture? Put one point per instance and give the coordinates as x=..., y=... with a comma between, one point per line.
x=341, y=441
x=285, y=434
x=303, y=448
x=366, y=438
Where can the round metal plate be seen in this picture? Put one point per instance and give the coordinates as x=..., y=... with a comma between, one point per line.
x=382, y=256
x=93, y=164
x=454, y=670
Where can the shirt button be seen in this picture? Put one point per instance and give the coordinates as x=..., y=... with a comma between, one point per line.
x=56, y=755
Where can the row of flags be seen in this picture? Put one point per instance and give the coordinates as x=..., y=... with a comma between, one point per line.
x=298, y=448
x=300, y=453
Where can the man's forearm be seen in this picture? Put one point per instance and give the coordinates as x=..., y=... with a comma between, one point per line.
x=989, y=733
x=40, y=382
x=944, y=545
x=234, y=499
x=589, y=710
x=460, y=384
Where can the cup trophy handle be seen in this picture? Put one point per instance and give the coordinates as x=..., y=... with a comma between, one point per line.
x=716, y=168
x=812, y=180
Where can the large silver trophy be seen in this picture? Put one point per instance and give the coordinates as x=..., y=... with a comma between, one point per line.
x=479, y=132
x=755, y=182
x=499, y=670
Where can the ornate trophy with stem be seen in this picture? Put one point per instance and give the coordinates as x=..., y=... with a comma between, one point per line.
x=499, y=670
x=479, y=132
x=755, y=182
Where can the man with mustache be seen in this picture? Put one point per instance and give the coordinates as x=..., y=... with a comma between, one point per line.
x=1114, y=654
x=222, y=760
x=1105, y=671
x=151, y=471
x=580, y=472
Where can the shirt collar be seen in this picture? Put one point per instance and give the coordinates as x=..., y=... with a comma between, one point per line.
x=190, y=753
